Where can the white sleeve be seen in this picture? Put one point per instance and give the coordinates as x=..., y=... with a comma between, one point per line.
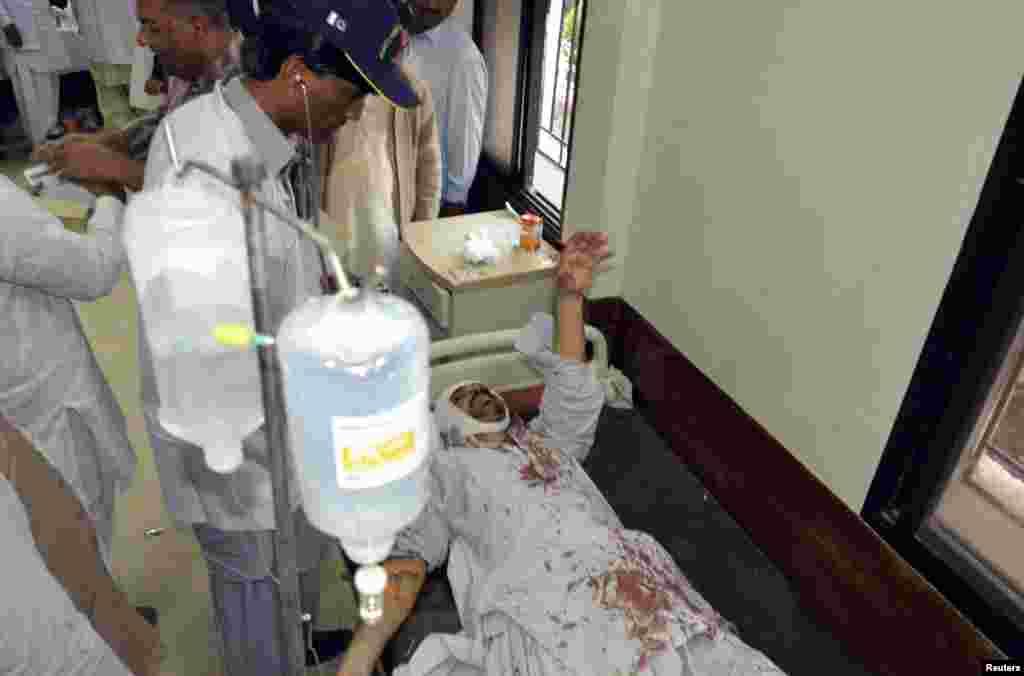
x=467, y=109
x=41, y=631
x=39, y=252
x=573, y=396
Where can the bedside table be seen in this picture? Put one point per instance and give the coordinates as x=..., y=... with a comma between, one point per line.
x=464, y=298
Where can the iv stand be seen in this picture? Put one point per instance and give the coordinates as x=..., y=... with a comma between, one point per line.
x=248, y=174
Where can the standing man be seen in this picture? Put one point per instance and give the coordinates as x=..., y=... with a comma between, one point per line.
x=109, y=28
x=305, y=63
x=444, y=55
x=50, y=384
x=382, y=171
x=36, y=66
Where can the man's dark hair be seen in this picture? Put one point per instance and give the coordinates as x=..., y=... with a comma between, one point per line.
x=270, y=40
x=215, y=10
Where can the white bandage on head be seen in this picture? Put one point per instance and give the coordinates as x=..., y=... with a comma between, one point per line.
x=455, y=424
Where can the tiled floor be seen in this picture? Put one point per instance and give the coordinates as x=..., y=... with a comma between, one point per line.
x=167, y=571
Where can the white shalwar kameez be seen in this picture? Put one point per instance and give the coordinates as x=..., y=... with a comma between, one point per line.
x=51, y=387
x=36, y=67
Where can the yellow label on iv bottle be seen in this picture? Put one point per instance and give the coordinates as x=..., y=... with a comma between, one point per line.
x=373, y=450
x=374, y=456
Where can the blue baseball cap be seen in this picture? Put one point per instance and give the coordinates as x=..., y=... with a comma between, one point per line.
x=371, y=36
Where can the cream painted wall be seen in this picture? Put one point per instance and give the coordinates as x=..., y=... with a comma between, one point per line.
x=619, y=42
x=806, y=175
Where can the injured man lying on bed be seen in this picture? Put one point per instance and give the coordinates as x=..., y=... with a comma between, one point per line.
x=545, y=577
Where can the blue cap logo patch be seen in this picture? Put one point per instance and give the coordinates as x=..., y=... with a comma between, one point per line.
x=334, y=20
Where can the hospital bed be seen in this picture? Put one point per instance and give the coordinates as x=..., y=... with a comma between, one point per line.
x=651, y=491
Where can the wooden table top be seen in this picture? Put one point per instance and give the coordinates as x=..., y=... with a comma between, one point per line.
x=437, y=245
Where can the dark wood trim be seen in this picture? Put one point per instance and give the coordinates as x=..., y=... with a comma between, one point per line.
x=885, y=613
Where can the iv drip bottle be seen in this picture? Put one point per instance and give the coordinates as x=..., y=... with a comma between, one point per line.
x=187, y=254
x=356, y=374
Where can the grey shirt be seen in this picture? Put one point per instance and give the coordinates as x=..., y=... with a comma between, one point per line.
x=216, y=128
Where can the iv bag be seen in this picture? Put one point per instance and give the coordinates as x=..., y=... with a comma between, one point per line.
x=187, y=253
x=356, y=390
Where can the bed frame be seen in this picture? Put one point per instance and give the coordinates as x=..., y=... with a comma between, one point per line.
x=886, y=614
x=492, y=358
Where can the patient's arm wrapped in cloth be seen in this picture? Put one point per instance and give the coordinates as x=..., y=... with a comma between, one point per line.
x=573, y=397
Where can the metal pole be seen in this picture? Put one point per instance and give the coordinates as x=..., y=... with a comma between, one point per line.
x=248, y=174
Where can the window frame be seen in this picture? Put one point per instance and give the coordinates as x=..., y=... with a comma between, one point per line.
x=972, y=334
x=529, y=98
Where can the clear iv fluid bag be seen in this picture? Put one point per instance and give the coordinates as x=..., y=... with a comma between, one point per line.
x=187, y=253
x=356, y=376
x=216, y=417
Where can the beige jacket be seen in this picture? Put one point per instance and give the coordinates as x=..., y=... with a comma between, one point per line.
x=380, y=171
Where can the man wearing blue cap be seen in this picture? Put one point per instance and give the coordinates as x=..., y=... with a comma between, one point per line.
x=305, y=63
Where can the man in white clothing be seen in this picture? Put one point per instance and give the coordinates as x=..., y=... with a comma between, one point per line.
x=50, y=384
x=35, y=67
x=444, y=55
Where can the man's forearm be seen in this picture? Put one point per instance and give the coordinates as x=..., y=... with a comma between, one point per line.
x=364, y=652
x=569, y=326
x=405, y=580
x=130, y=173
x=115, y=139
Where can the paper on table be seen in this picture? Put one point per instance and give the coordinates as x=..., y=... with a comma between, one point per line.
x=488, y=244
